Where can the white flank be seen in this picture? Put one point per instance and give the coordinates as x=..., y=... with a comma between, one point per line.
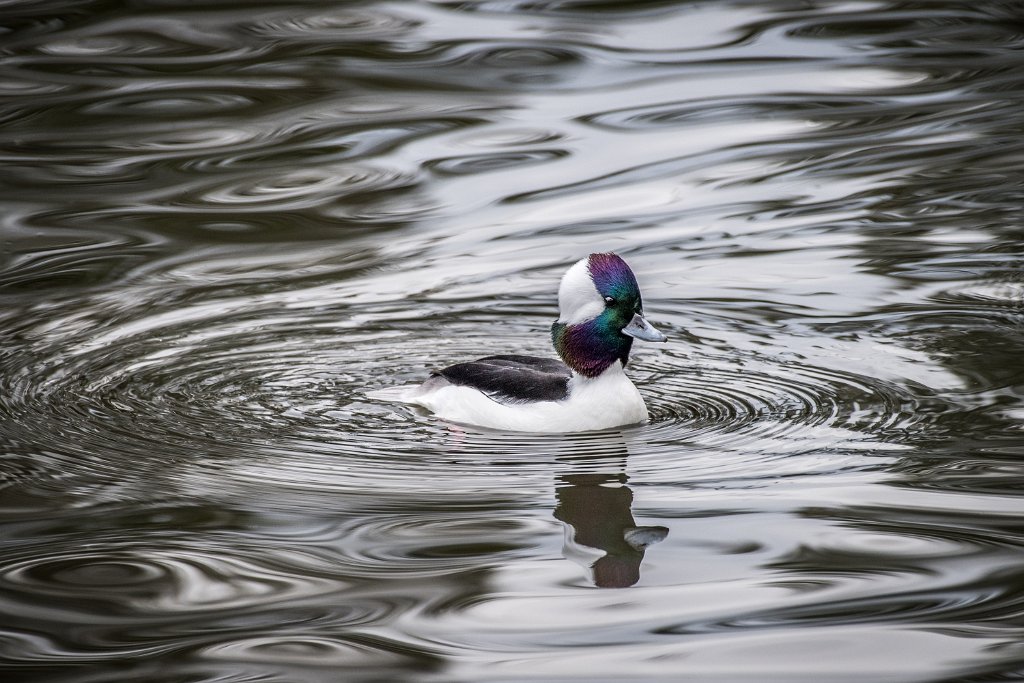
x=609, y=400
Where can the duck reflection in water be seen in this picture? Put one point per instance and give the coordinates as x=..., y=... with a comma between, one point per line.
x=596, y=510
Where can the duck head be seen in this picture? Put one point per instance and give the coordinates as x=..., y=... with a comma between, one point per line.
x=600, y=313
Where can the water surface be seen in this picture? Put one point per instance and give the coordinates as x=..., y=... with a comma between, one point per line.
x=222, y=226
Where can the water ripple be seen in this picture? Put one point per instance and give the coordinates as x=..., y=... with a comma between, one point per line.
x=237, y=374
x=169, y=104
x=481, y=163
x=294, y=189
x=349, y=24
x=149, y=582
x=720, y=400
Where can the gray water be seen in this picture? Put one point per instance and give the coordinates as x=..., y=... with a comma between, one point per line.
x=221, y=226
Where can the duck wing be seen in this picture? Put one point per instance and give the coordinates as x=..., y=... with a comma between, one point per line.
x=512, y=378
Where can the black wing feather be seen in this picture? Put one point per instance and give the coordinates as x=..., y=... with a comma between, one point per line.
x=512, y=379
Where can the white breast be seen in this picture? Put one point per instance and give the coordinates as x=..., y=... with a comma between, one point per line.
x=609, y=400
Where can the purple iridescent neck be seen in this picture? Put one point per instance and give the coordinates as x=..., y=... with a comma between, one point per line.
x=590, y=347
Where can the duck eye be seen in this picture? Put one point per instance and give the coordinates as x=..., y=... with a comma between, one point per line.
x=610, y=300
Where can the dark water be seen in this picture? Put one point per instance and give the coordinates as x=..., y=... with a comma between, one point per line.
x=221, y=226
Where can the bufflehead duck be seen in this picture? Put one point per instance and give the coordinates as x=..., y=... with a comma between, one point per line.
x=600, y=314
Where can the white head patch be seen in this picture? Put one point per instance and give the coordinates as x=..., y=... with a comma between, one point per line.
x=578, y=298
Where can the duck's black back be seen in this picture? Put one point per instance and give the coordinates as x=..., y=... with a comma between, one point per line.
x=512, y=379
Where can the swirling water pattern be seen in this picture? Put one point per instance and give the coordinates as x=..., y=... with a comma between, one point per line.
x=223, y=225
